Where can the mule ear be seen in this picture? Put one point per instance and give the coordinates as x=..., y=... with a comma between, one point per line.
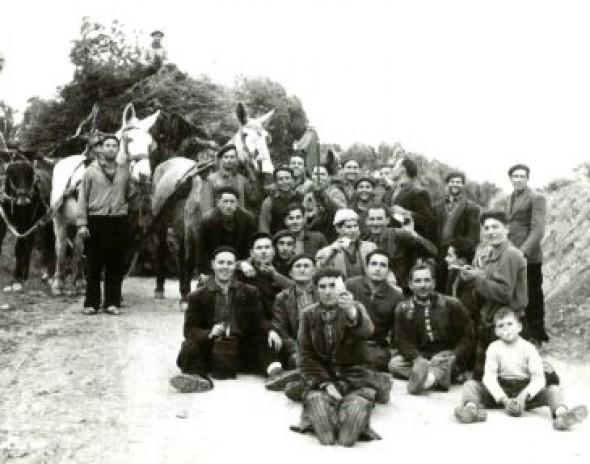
x=147, y=122
x=262, y=120
x=332, y=162
x=242, y=114
x=128, y=114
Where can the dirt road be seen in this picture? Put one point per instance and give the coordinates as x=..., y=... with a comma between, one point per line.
x=80, y=389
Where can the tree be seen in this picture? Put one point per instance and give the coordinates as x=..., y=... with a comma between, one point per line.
x=364, y=154
x=7, y=127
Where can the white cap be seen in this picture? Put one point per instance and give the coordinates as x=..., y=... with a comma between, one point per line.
x=345, y=214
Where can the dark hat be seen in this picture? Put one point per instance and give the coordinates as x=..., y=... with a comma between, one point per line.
x=157, y=32
x=364, y=179
x=257, y=236
x=494, y=214
x=225, y=149
x=299, y=257
x=453, y=174
x=282, y=233
x=223, y=249
x=516, y=167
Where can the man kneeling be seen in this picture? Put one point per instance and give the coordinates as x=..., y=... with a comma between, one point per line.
x=339, y=389
x=224, y=330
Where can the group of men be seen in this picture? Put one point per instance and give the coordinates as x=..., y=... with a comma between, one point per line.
x=344, y=281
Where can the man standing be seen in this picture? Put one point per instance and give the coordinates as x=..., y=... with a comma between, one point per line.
x=434, y=335
x=350, y=174
x=249, y=192
x=273, y=209
x=364, y=194
x=102, y=224
x=225, y=225
x=303, y=183
x=498, y=277
x=379, y=299
x=339, y=395
x=526, y=212
x=224, y=330
x=410, y=195
x=457, y=220
x=306, y=241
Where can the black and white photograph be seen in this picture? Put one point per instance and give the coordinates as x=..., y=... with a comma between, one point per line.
x=294, y=232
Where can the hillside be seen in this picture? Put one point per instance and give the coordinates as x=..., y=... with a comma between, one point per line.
x=567, y=266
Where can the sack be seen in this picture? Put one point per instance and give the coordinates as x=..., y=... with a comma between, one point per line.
x=225, y=359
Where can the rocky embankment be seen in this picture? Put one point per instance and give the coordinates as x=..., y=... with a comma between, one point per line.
x=567, y=266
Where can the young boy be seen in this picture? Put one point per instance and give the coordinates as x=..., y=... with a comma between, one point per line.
x=514, y=379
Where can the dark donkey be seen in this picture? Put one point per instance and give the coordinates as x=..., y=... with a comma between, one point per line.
x=24, y=203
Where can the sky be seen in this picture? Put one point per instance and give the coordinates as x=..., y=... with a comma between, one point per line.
x=480, y=85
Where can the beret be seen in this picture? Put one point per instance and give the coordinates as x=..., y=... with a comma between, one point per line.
x=516, y=167
x=282, y=233
x=225, y=149
x=365, y=179
x=345, y=214
x=494, y=214
x=299, y=257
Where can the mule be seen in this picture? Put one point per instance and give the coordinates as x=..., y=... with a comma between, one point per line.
x=181, y=196
x=25, y=202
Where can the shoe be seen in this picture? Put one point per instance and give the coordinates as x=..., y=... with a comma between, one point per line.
x=113, y=310
x=418, y=376
x=294, y=391
x=279, y=381
x=190, y=383
x=570, y=417
x=89, y=311
x=513, y=409
x=467, y=414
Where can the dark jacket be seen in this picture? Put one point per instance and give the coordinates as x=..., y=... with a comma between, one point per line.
x=269, y=286
x=403, y=248
x=462, y=226
x=346, y=360
x=450, y=322
x=244, y=303
x=504, y=282
x=380, y=306
x=313, y=242
x=415, y=199
x=212, y=235
x=526, y=223
x=286, y=316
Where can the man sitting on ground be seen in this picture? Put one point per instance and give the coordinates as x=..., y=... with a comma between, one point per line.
x=225, y=331
x=380, y=300
x=434, y=335
x=288, y=306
